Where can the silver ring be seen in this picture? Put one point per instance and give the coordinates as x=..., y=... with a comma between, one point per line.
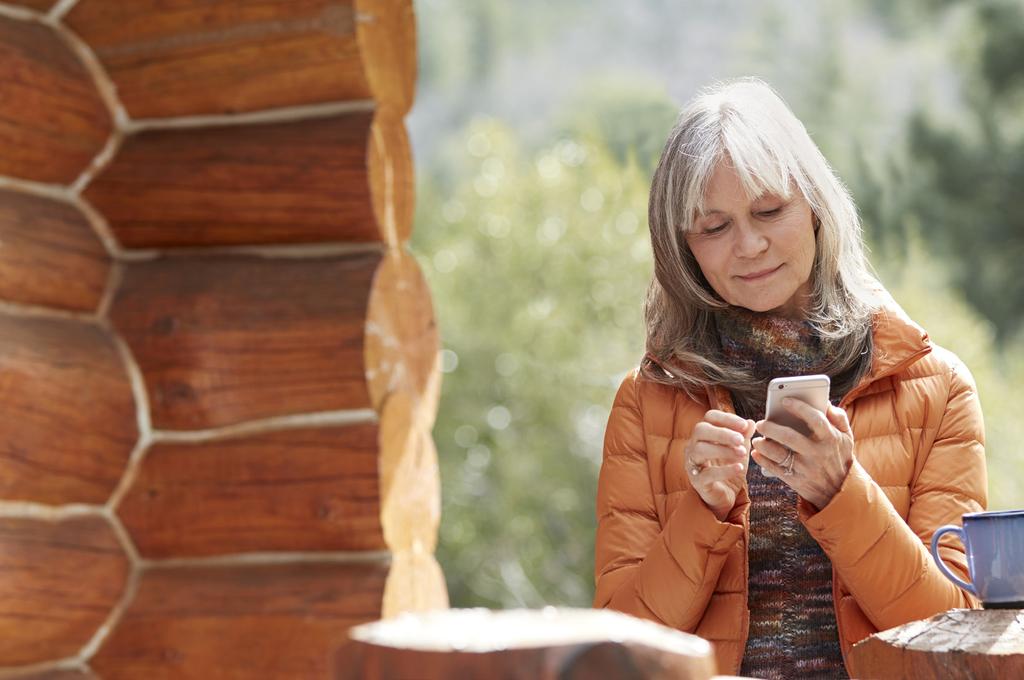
x=787, y=462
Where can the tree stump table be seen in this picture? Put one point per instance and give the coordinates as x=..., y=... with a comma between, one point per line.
x=548, y=644
x=961, y=643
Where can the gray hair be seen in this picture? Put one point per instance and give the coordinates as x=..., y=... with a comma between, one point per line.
x=747, y=122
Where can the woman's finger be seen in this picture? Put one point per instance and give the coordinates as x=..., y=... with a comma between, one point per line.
x=769, y=467
x=750, y=429
x=706, y=432
x=786, y=436
x=703, y=453
x=814, y=418
x=723, y=419
x=839, y=419
x=718, y=473
x=771, y=450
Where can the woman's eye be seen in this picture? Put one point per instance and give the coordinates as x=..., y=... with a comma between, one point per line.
x=769, y=213
x=716, y=229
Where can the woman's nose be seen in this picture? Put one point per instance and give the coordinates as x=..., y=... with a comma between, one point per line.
x=750, y=241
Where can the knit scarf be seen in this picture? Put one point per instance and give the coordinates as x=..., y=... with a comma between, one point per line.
x=792, y=629
x=767, y=346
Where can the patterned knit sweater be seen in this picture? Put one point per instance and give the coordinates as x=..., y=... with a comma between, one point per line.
x=792, y=620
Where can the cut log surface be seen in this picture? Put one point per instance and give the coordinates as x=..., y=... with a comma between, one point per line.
x=304, y=489
x=308, y=181
x=410, y=482
x=392, y=182
x=415, y=584
x=402, y=341
x=68, y=423
x=54, y=675
x=61, y=579
x=38, y=5
x=54, y=121
x=49, y=255
x=211, y=623
x=387, y=38
x=222, y=340
x=226, y=56
x=973, y=644
x=544, y=645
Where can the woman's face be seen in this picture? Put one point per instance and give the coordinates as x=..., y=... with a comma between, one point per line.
x=756, y=254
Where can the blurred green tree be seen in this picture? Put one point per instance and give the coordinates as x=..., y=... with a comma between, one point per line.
x=965, y=177
x=538, y=263
x=629, y=115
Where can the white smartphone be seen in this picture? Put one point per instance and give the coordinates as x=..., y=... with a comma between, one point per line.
x=811, y=389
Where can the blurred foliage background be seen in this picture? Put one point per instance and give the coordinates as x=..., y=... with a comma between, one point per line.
x=536, y=131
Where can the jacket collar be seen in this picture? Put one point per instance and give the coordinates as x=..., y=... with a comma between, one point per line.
x=897, y=342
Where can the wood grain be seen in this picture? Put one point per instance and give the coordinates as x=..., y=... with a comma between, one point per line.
x=60, y=581
x=68, y=421
x=402, y=341
x=409, y=477
x=261, y=621
x=222, y=340
x=387, y=41
x=415, y=584
x=550, y=644
x=53, y=121
x=392, y=184
x=300, y=490
x=38, y=5
x=959, y=644
x=229, y=56
x=49, y=254
x=297, y=182
x=55, y=675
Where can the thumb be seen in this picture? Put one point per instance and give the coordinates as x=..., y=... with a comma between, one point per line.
x=750, y=429
x=838, y=418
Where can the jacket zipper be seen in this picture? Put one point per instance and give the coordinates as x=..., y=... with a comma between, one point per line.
x=845, y=401
x=719, y=398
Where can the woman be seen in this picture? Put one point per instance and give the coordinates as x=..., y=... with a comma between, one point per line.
x=786, y=561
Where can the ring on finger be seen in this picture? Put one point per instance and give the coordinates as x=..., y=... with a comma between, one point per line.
x=787, y=462
x=696, y=469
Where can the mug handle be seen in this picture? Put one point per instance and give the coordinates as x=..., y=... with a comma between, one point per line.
x=950, y=528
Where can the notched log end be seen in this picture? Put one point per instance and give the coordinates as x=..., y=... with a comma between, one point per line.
x=386, y=33
x=401, y=344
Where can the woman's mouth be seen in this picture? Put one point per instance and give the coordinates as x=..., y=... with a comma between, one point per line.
x=758, y=275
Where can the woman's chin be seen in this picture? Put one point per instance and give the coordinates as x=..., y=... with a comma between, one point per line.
x=760, y=305
x=781, y=307
x=789, y=302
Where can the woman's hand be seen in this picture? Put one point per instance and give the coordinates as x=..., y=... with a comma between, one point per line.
x=819, y=463
x=716, y=459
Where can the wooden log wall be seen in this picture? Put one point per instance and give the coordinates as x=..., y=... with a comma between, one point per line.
x=218, y=361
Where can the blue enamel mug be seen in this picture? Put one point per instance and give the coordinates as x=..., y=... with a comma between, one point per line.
x=995, y=557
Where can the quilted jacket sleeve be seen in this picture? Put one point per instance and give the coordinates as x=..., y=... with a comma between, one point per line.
x=664, y=573
x=883, y=561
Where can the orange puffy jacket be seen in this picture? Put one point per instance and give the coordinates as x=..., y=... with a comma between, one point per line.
x=919, y=463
